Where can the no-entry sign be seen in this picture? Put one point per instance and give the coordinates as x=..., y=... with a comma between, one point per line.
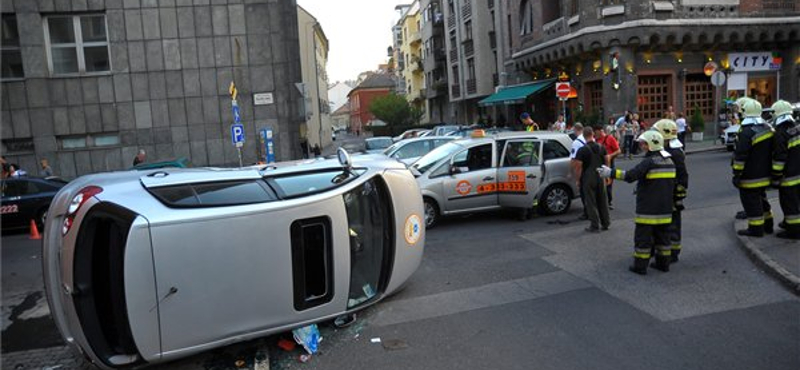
x=562, y=89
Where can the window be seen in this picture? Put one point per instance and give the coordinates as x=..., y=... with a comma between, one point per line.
x=228, y=193
x=471, y=68
x=594, y=90
x=77, y=44
x=18, y=146
x=468, y=30
x=526, y=18
x=699, y=93
x=522, y=153
x=654, y=97
x=411, y=150
x=312, y=262
x=474, y=159
x=11, y=59
x=88, y=141
x=553, y=149
x=551, y=10
x=455, y=74
x=297, y=185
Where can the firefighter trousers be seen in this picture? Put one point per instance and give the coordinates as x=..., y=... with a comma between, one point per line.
x=675, y=232
x=649, y=239
x=790, y=204
x=757, y=208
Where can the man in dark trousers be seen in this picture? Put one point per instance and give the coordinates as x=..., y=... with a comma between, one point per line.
x=752, y=163
x=672, y=144
x=588, y=159
x=786, y=168
x=655, y=183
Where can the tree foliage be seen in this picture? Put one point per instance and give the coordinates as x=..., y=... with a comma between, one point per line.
x=394, y=110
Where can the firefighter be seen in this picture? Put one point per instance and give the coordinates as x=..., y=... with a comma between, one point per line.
x=669, y=130
x=786, y=168
x=751, y=169
x=655, y=176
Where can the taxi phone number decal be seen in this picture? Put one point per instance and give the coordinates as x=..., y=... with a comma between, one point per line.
x=515, y=184
x=9, y=209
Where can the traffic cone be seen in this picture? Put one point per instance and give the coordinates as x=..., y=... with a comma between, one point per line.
x=34, y=231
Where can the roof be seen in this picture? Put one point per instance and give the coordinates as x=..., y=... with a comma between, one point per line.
x=375, y=80
x=344, y=109
x=516, y=94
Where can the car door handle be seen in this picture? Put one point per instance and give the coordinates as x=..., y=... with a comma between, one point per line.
x=531, y=176
x=488, y=178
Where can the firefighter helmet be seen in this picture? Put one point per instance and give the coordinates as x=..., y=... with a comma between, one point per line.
x=751, y=108
x=667, y=128
x=654, y=140
x=782, y=107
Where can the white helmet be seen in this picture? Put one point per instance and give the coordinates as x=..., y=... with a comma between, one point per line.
x=751, y=108
x=654, y=140
x=783, y=112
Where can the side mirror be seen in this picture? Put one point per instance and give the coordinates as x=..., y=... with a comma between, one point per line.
x=344, y=158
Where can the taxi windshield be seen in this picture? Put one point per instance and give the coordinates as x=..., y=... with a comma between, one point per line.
x=390, y=150
x=429, y=160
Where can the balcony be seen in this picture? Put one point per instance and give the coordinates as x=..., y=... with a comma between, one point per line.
x=466, y=10
x=415, y=38
x=455, y=90
x=469, y=48
x=439, y=55
x=416, y=66
x=472, y=86
x=451, y=20
x=555, y=28
x=453, y=55
x=438, y=19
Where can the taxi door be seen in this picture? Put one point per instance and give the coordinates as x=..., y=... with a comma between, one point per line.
x=471, y=183
x=519, y=172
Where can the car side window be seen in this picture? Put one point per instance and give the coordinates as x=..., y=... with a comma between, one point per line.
x=476, y=158
x=521, y=153
x=553, y=149
x=415, y=149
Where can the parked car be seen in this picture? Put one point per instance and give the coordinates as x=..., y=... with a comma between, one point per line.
x=728, y=137
x=467, y=132
x=146, y=267
x=182, y=162
x=521, y=170
x=444, y=130
x=409, y=134
x=409, y=150
x=377, y=144
x=27, y=198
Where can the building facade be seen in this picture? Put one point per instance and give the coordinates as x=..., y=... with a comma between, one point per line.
x=434, y=61
x=411, y=69
x=87, y=84
x=313, y=61
x=373, y=86
x=470, y=42
x=647, y=56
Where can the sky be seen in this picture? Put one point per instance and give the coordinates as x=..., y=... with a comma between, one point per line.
x=358, y=32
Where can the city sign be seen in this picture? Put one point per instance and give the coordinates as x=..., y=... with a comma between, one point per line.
x=562, y=89
x=263, y=99
x=753, y=62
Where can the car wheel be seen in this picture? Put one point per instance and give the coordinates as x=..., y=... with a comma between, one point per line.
x=555, y=200
x=41, y=217
x=431, y=213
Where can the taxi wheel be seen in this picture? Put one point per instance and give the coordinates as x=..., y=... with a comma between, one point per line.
x=431, y=213
x=555, y=200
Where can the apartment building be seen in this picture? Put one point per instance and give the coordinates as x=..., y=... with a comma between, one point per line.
x=313, y=60
x=650, y=55
x=87, y=84
x=412, y=71
x=471, y=47
x=434, y=61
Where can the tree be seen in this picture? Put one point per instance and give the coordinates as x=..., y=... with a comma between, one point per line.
x=394, y=110
x=697, y=122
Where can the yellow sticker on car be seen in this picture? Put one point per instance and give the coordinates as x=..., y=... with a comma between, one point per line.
x=412, y=230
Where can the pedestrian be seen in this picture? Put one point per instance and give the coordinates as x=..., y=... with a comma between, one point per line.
x=655, y=182
x=627, y=140
x=682, y=127
x=670, y=114
x=45, y=170
x=140, y=157
x=612, y=151
x=589, y=158
x=15, y=171
x=786, y=168
x=669, y=130
x=577, y=144
x=636, y=130
x=304, y=148
x=559, y=125
x=317, y=150
x=528, y=122
x=752, y=160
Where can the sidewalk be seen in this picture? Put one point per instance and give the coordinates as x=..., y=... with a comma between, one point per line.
x=778, y=257
x=707, y=145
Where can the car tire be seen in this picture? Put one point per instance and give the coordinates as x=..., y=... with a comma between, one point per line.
x=432, y=214
x=555, y=200
x=41, y=217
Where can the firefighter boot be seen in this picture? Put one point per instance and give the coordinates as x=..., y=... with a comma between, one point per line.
x=676, y=250
x=661, y=263
x=639, y=266
x=769, y=225
x=788, y=235
x=752, y=230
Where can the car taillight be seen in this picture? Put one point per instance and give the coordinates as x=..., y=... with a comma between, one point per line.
x=76, y=204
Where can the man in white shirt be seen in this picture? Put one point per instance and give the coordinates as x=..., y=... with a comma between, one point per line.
x=681, y=122
x=577, y=144
x=560, y=125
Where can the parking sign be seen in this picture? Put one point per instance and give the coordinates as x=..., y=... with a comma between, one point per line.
x=237, y=135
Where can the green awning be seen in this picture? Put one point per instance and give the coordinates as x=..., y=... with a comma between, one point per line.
x=516, y=94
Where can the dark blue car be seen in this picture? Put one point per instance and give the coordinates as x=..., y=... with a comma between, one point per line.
x=27, y=198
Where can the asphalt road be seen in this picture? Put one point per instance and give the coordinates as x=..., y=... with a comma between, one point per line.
x=494, y=292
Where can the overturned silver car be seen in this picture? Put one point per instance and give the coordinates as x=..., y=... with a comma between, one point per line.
x=149, y=266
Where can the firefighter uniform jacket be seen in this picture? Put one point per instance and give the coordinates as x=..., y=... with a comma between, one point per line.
x=682, y=176
x=753, y=154
x=786, y=155
x=654, y=191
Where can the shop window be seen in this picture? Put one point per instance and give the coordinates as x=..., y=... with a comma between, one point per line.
x=699, y=93
x=77, y=44
x=11, y=56
x=18, y=146
x=654, y=97
x=88, y=141
x=594, y=90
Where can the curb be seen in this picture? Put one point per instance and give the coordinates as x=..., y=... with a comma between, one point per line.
x=769, y=265
x=703, y=150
